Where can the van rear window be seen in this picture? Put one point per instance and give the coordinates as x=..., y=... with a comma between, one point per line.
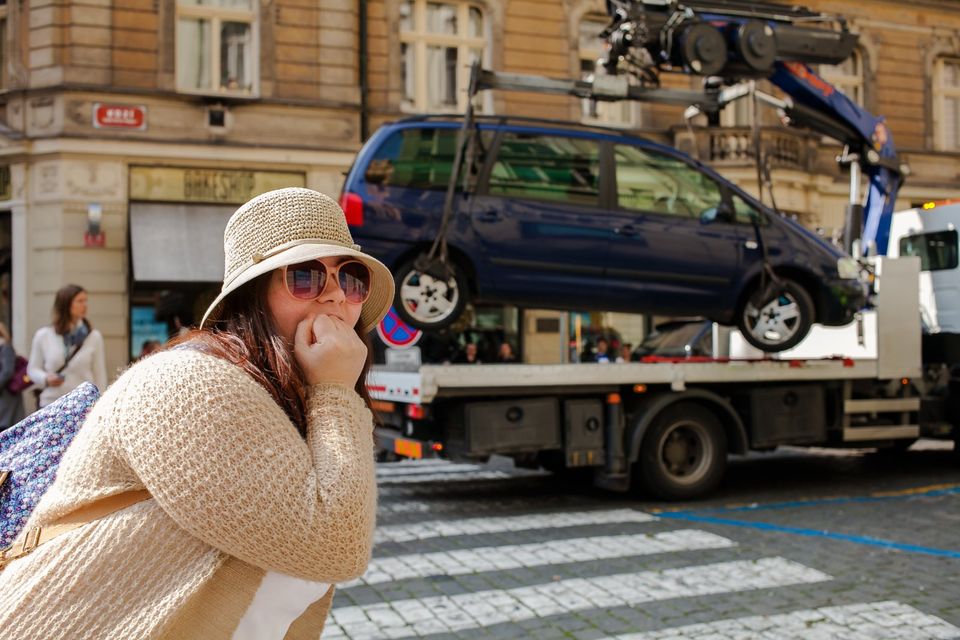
x=937, y=251
x=414, y=158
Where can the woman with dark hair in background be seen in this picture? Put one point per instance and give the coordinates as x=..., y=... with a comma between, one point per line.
x=68, y=352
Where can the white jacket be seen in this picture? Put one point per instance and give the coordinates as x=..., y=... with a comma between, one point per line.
x=48, y=354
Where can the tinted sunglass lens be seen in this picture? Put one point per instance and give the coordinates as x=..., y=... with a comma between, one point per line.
x=355, y=281
x=305, y=281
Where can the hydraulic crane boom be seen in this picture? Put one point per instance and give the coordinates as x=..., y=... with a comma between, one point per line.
x=736, y=40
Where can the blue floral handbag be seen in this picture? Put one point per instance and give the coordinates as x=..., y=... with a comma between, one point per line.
x=30, y=452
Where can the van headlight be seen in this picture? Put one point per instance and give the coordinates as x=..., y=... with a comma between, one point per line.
x=848, y=268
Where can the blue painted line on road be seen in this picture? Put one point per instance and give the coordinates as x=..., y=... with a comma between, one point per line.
x=765, y=526
x=818, y=502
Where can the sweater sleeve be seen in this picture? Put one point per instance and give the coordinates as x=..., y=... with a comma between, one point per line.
x=222, y=459
x=36, y=360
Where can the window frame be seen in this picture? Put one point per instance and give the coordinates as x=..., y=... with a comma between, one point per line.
x=420, y=39
x=602, y=204
x=723, y=188
x=842, y=81
x=925, y=238
x=217, y=15
x=940, y=92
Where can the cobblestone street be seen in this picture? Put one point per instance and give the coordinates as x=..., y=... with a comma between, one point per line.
x=797, y=544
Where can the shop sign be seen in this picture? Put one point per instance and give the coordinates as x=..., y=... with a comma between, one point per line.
x=119, y=116
x=218, y=186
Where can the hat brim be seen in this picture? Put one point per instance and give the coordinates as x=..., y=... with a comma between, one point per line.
x=374, y=308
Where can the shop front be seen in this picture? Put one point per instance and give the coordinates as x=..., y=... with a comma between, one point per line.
x=177, y=218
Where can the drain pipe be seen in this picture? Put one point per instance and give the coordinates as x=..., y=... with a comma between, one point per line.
x=362, y=68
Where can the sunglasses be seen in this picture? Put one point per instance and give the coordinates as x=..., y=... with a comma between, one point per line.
x=308, y=280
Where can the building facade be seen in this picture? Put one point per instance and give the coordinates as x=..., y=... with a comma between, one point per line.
x=129, y=131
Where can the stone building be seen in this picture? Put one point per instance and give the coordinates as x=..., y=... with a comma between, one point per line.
x=130, y=130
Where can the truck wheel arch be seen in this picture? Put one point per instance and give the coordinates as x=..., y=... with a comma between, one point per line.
x=648, y=411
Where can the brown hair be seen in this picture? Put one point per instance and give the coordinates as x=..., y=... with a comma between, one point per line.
x=61, y=307
x=246, y=335
x=5, y=333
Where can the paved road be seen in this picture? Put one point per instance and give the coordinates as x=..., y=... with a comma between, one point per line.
x=796, y=544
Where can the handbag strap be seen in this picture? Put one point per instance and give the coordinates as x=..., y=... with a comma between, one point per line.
x=33, y=538
x=77, y=348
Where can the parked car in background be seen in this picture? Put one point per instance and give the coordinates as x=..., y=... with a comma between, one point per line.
x=563, y=216
x=681, y=338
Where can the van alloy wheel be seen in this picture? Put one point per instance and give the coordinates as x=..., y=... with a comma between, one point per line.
x=778, y=320
x=427, y=301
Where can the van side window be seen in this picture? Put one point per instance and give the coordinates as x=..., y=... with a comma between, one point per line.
x=937, y=250
x=744, y=212
x=656, y=182
x=555, y=168
x=418, y=158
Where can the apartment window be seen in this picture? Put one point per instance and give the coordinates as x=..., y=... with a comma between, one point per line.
x=946, y=103
x=216, y=47
x=438, y=41
x=623, y=113
x=846, y=76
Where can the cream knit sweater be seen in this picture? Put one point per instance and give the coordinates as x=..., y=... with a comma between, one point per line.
x=237, y=492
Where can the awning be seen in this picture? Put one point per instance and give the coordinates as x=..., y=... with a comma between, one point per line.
x=177, y=242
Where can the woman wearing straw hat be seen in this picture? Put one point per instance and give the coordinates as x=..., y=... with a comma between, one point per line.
x=253, y=442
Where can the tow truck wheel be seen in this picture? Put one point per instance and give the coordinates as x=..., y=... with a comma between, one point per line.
x=683, y=454
x=776, y=320
x=429, y=302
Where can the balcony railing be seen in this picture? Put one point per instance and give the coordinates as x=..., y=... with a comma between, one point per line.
x=734, y=146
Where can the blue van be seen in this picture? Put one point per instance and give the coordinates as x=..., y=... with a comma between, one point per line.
x=566, y=216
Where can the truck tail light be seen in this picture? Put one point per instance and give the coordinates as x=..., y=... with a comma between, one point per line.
x=416, y=411
x=352, y=206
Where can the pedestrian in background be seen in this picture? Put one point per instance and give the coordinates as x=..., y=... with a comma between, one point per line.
x=69, y=352
x=469, y=355
x=11, y=404
x=253, y=438
x=505, y=354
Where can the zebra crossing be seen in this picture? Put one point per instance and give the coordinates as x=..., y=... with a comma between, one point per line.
x=489, y=576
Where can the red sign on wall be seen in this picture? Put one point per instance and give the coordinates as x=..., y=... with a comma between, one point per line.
x=119, y=116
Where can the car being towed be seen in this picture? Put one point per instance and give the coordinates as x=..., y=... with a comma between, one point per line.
x=566, y=216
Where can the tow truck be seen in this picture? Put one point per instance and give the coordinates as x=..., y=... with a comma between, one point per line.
x=667, y=426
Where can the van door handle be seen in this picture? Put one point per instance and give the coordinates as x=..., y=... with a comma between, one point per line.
x=490, y=215
x=626, y=230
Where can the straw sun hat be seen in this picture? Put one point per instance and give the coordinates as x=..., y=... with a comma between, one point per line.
x=289, y=226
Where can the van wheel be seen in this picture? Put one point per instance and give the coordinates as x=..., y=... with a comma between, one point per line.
x=776, y=319
x=430, y=301
x=683, y=454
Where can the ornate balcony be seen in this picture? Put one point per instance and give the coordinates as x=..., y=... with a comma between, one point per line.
x=734, y=146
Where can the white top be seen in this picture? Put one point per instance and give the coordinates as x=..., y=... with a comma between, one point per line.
x=279, y=601
x=48, y=354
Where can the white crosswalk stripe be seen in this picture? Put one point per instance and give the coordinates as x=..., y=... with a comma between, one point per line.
x=421, y=469
x=868, y=621
x=480, y=609
x=500, y=524
x=503, y=558
x=466, y=476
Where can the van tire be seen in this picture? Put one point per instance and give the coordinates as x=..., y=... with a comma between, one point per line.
x=790, y=293
x=426, y=302
x=683, y=454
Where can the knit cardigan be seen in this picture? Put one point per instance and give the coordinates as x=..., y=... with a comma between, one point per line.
x=237, y=495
